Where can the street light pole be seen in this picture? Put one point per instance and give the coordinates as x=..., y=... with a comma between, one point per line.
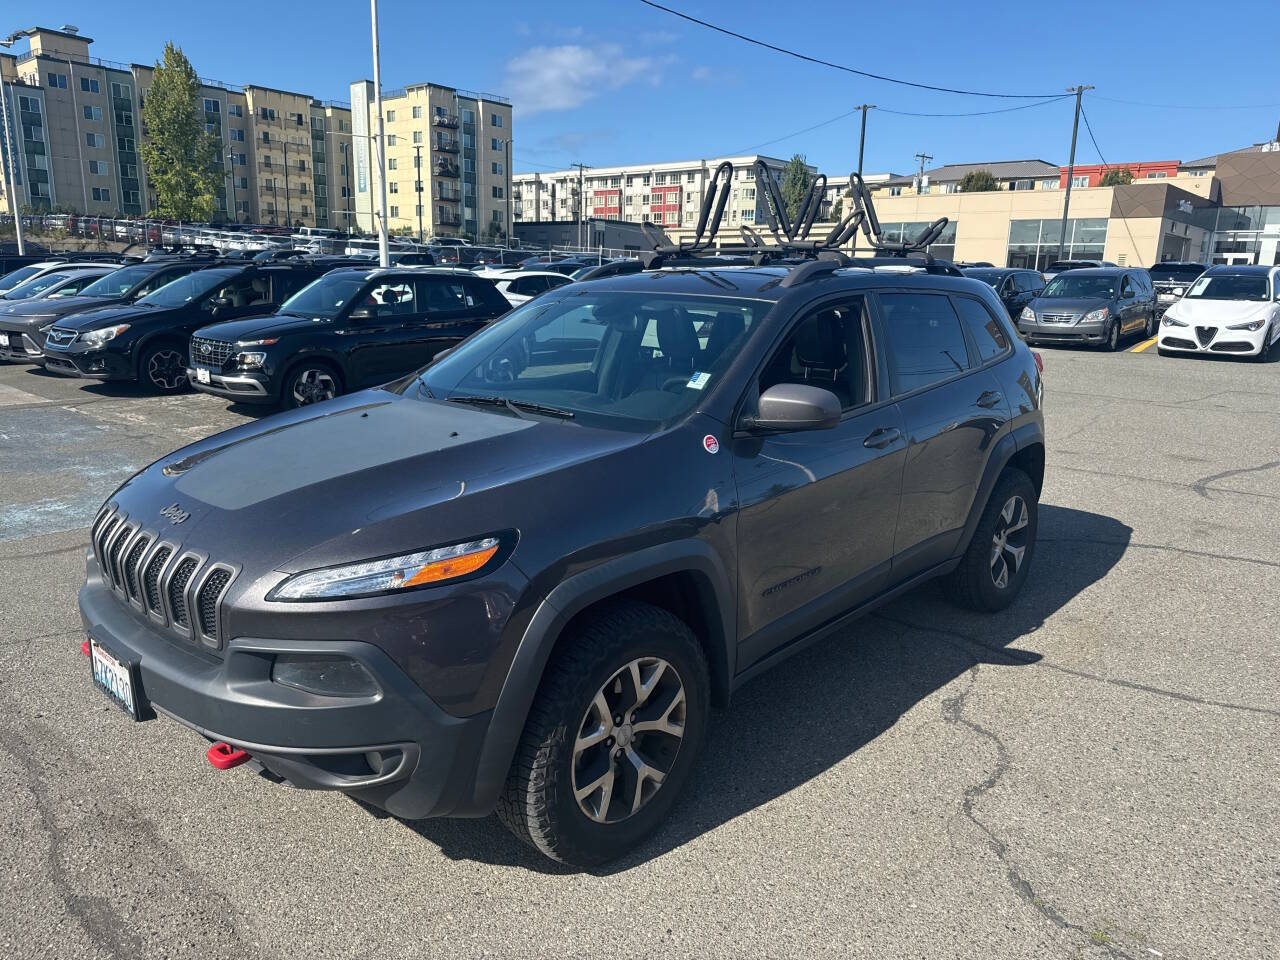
x=288, y=208
x=417, y=165
x=9, y=158
x=231, y=168
x=384, y=253
x=862, y=137
x=1071, y=167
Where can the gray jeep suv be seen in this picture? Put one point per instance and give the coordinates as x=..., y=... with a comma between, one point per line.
x=520, y=578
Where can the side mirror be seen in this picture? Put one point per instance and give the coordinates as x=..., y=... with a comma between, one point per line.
x=360, y=313
x=794, y=406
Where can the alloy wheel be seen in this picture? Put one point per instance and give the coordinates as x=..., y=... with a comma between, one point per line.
x=314, y=385
x=1113, y=338
x=628, y=739
x=1009, y=543
x=167, y=369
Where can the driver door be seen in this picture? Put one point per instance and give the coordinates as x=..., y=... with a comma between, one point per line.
x=379, y=337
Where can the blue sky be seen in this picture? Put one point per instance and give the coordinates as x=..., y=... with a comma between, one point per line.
x=614, y=81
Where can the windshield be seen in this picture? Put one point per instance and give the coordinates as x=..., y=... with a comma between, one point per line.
x=324, y=298
x=1075, y=287
x=118, y=282
x=188, y=288
x=1229, y=286
x=33, y=288
x=1183, y=273
x=991, y=278
x=11, y=280
x=624, y=360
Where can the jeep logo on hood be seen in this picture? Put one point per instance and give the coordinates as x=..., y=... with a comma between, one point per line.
x=174, y=513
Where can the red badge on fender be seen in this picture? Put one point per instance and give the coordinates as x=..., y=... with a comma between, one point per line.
x=711, y=444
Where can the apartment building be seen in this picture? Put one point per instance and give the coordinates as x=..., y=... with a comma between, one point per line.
x=668, y=194
x=446, y=160
x=332, y=167
x=1009, y=174
x=76, y=124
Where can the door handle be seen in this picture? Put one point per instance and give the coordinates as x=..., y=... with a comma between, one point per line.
x=880, y=438
x=989, y=399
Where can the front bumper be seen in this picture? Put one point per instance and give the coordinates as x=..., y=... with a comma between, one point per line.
x=1193, y=339
x=75, y=360
x=397, y=749
x=20, y=345
x=1044, y=332
x=243, y=387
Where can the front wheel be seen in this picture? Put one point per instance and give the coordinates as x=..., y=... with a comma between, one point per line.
x=1149, y=330
x=612, y=736
x=995, y=565
x=1113, y=337
x=310, y=383
x=163, y=368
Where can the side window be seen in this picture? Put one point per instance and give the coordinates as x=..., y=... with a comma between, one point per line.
x=441, y=295
x=825, y=349
x=985, y=329
x=285, y=283
x=240, y=291
x=926, y=343
x=1025, y=282
x=159, y=280
x=557, y=281
x=394, y=298
x=72, y=288
x=535, y=285
x=1126, y=286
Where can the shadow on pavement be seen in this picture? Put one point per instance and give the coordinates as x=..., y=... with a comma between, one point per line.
x=808, y=714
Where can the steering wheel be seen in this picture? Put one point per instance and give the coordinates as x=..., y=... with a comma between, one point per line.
x=675, y=384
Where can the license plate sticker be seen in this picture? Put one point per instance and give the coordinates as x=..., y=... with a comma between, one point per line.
x=114, y=678
x=202, y=375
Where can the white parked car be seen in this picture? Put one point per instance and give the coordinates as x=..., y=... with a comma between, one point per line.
x=521, y=286
x=1228, y=309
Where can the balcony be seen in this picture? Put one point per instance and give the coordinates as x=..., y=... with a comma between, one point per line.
x=445, y=120
x=447, y=146
x=448, y=194
x=445, y=168
x=447, y=219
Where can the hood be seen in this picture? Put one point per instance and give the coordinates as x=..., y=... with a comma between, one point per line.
x=366, y=475
x=1069, y=304
x=1218, y=313
x=255, y=328
x=40, y=312
x=107, y=316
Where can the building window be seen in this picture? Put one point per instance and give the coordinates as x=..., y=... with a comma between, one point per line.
x=129, y=171
x=495, y=144
x=121, y=91
x=496, y=168
x=266, y=136
x=95, y=140
x=89, y=85
x=468, y=116
x=1033, y=244
x=212, y=106
x=1080, y=181
x=895, y=191
x=391, y=116
x=29, y=105
x=234, y=110
x=92, y=113
x=1157, y=175
x=1048, y=184
x=102, y=194
x=395, y=211
x=131, y=198
x=98, y=167
x=391, y=164
x=1021, y=184
x=495, y=120
x=243, y=183
x=417, y=113
x=296, y=119
x=238, y=159
x=391, y=140
x=237, y=135
x=1199, y=173
x=417, y=136
x=497, y=193
x=393, y=187
x=58, y=80
x=124, y=118
x=211, y=128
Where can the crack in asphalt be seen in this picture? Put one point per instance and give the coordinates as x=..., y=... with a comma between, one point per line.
x=1167, y=483
x=1163, y=547
x=1201, y=486
x=45, y=553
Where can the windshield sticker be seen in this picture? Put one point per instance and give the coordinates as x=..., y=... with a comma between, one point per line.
x=698, y=380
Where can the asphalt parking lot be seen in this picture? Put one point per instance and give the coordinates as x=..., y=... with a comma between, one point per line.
x=1091, y=773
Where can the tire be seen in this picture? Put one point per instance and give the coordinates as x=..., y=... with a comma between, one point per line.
x=162, y=368
x=1113, y=338
x=976, y=582
x=1152, y=326
x=1264, y=353
x=588, y=678
x=308, y=383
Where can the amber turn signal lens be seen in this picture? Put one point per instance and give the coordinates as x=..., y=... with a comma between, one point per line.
x=454, y=567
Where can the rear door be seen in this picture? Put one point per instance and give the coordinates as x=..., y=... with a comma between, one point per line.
x=953, y=409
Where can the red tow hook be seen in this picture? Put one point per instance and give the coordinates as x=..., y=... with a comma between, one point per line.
x=223, y=756
x=84, y=648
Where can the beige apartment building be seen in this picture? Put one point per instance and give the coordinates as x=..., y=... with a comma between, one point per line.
x=446, y=161
x=76, y=126
x=667, y=194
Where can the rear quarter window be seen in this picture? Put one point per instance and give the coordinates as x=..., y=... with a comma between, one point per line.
x=988, y=333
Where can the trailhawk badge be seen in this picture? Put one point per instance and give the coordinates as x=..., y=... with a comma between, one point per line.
x=710, y=444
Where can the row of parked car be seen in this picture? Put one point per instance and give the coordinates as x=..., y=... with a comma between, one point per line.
x=1188, y=307
x=279, y=330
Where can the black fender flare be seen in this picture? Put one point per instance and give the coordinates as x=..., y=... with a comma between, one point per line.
x=1006, y=447
x=571, y=596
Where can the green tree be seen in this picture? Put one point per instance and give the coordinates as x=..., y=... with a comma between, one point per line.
x=1117, y=178
x=795, y=184
x=181, y=156
x=837, y=208
x=978, y=181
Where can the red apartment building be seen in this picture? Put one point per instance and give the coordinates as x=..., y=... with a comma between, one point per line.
x=1094, y=172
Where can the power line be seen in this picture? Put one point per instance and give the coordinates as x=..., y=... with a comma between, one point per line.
x=978, y=113
x=1188, y=106
x=839, y=66
x=1106, y=166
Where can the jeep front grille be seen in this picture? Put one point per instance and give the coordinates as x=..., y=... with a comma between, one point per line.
x=210, y=353
x=179, y=589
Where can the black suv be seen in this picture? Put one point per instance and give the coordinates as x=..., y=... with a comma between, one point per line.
x=521, y=578
x=350, y=329
x=147, y=340
x=1015, y=287
x=23, y=326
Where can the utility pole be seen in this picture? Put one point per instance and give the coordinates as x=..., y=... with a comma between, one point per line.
x=235, y=217
x=511, y=213
x=9, y=160
x=581, y=168
x=417, y=166
x=288, y=209
x=1071, y=166
x=384, y=254
x=923, y=158
x=862, y=137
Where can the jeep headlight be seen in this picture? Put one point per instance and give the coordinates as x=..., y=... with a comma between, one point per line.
x=1249, y=325
x=96, y=338
x=371, y=577
x=1096, y=316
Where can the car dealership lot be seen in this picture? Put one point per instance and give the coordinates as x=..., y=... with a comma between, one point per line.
x=1088, y=773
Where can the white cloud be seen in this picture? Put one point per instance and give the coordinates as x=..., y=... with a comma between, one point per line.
x=565, y=77
x=702, y=73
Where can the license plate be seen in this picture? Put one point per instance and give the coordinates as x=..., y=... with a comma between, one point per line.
x=116, y=679
x=202, y=375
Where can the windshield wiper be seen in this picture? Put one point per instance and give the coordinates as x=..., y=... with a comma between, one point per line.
x=515, y=406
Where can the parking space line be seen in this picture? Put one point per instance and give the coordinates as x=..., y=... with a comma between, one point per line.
x=10, y=396
x=1143, y=345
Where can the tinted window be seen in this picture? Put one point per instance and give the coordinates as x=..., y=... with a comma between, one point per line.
x=826, y=349
x=1184, y=273
x=33, y=288
x=1229, y=286
x=558, y=281
x=1075, y=286
x=325, y=298
x=17, y=276
x=73, y=288
x=392, y=298
x=1126, y=286
x=986, y=331
x=444, y=295
x=188, y=288
x=926, y=343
